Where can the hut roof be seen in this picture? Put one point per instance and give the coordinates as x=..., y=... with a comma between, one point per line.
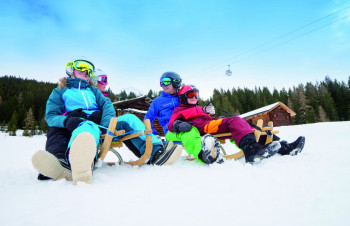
x=267, y=108
x=140, y=103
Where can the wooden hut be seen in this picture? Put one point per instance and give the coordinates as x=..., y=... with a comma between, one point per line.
x=139, y=107
x=278, y=113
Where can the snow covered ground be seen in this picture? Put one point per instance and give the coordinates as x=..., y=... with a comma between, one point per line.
x=312, y=188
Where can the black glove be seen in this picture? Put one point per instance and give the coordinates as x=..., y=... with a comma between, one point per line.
x=180, y=126
x=77, y=113
x=71, y=123
x=96, y=117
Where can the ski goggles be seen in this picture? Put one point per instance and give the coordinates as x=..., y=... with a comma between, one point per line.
x=192, y=94
x=168, y=81
x=165, y=82
x=82, y=65
x=102, y=79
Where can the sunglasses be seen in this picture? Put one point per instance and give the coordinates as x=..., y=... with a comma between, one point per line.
x=82, y=65
x=102, y=79
x=192, y=94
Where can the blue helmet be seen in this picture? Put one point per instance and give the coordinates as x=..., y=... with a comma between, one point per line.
x=175, y=78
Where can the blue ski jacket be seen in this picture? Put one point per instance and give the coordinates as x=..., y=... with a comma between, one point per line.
x=162, y=108
x=77, y=94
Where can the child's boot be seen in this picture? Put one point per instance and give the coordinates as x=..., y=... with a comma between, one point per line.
x=167, y=155
x=48, y=165
x=255, y=152
x=210, y=149
x=81, y=157
x=292, y=148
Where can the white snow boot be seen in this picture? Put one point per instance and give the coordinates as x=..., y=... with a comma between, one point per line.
x=210, y=149
x=82, y=153
x=48, y=165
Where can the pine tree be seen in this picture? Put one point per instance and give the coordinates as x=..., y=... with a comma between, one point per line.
x=150, y=94
x=283, y=96
x=328, y=103
x=235, y=104
x=226, y=105
x=29, y=124
x=131, y=95
x=323, y=115
x=12, y=125
x=2, y=126
x=216, y=100
x=276, y=95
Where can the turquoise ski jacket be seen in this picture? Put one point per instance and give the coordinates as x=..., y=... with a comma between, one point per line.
x=77, y=94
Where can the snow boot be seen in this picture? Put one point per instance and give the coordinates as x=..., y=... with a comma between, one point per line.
x=81, y=157
x=255, y=152
x=48, y=165
x=210, y=149
x=168, y=155
x=292, y=148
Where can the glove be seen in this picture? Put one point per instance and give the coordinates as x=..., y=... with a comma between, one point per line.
x=209, y=109
x=180, y=126
x=96, y=117
x=71, y=123
x=77, y=113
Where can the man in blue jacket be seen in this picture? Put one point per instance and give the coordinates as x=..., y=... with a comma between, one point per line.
x=163, y=107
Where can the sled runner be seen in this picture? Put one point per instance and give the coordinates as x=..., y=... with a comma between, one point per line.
x=108, y=144
x=258, y=132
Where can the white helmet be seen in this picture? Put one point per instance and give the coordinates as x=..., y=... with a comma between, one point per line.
x=99, y=76
x=82, y=65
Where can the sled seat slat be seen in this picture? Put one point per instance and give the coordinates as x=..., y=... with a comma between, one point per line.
x=109, y=144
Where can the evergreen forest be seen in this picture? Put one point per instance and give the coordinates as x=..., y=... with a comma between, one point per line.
x=23, y=101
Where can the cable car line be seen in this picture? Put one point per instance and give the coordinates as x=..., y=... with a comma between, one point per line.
x=279, y=37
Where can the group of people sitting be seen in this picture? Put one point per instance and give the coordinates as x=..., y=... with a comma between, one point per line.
x=79, y=111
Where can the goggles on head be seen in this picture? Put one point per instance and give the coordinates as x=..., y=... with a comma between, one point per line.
x=102, y=79
x=192, y=94
x=82, y=65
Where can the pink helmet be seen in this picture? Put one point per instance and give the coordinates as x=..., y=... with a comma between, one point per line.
x=184, y=91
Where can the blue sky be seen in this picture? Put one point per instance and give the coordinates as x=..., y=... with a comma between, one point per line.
x=269, y=43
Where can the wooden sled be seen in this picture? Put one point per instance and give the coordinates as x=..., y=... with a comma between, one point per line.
x=109, y=145
x=236, y=156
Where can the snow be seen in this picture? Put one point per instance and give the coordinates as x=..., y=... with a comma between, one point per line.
x=312, y=188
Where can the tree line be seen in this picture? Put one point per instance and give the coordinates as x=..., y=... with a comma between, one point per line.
x=23, y=102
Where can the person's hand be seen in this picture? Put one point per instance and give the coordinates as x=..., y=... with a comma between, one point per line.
x=77, y=113
x=71, y=123
x=209, y=109
x=180, y=126
x=96, y=117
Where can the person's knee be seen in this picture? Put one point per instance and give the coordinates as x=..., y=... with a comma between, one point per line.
x=122, y=125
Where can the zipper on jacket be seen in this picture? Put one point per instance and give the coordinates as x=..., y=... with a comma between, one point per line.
x=87, y=94
x=87, y=105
